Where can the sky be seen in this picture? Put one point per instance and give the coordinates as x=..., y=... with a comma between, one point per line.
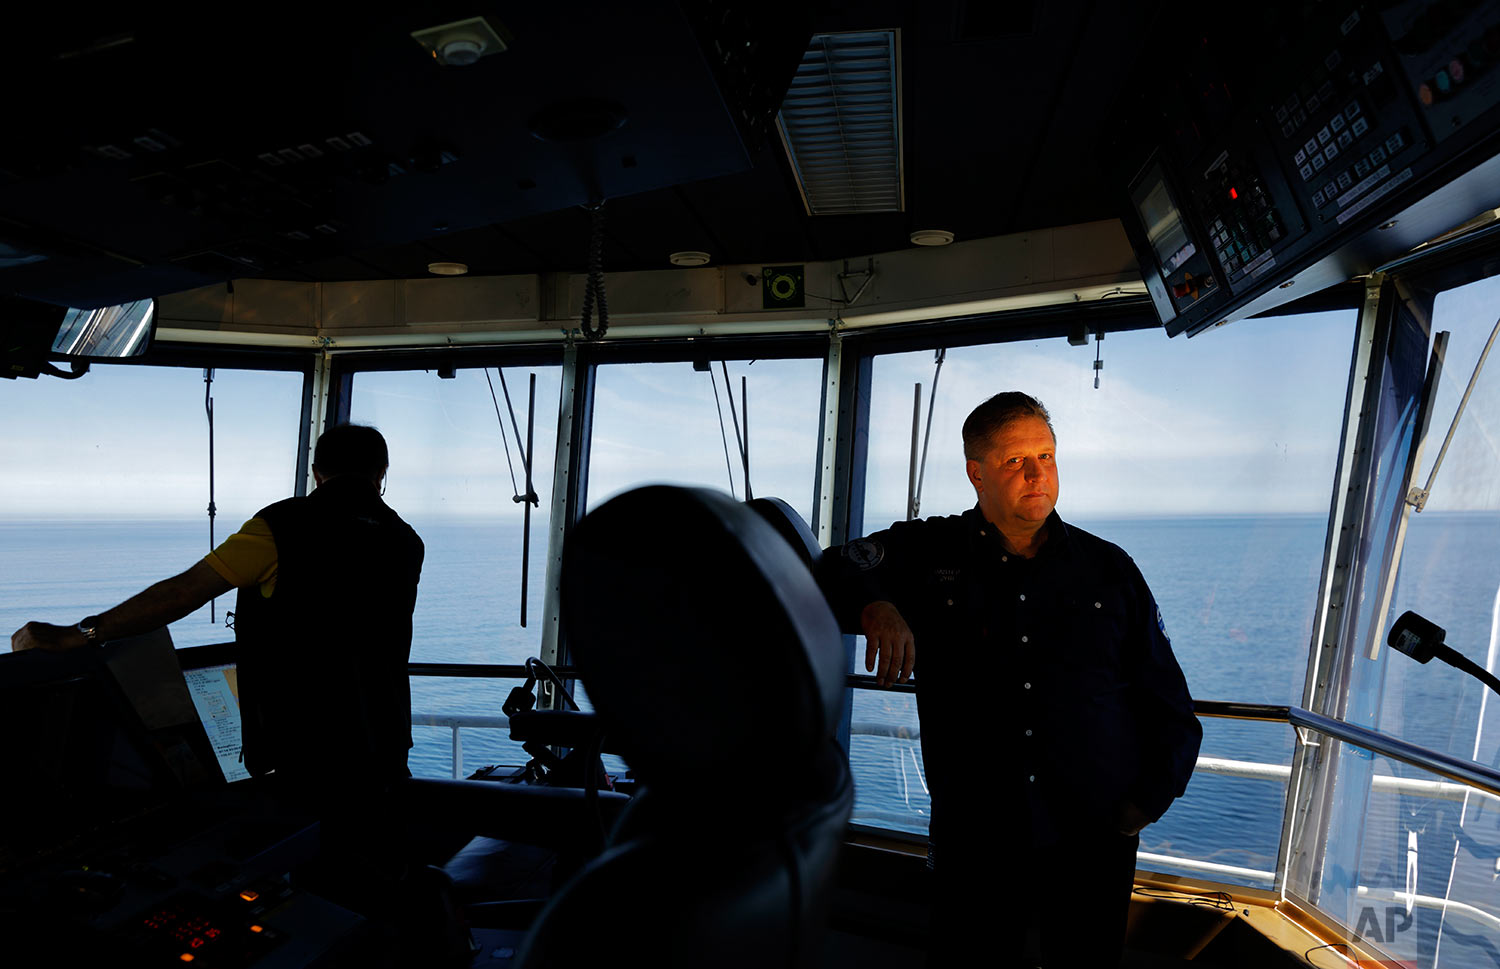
x=1244, y=419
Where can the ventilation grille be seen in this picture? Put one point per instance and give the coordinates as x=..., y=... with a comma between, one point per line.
x=841, y=124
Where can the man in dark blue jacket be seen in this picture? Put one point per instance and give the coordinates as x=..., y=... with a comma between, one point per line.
x=1056, y=723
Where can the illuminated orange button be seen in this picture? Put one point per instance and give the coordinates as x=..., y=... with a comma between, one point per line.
x=249, y=896
x=186, y=957
x=256, y=928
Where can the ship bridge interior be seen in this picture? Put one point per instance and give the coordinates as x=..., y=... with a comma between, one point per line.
x=560, y=252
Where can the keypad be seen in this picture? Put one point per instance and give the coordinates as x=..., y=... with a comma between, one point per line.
x=1338, y=131
x=1245, y=223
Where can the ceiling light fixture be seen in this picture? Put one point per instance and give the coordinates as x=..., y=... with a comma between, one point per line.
x=689, y=257
x=464, y=42
x=447, y=268
x=460, y=51
x=931, y=237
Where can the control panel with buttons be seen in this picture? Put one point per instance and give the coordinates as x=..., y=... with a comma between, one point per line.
x=1344, y=123
x=1245, y=206
x=1449, y=56
x=1293, y=143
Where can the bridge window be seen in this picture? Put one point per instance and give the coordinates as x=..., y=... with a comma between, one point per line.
x=1410, y=859
x=663, y=423
x=1211, y=461
x=455, y=471
x=106, y=487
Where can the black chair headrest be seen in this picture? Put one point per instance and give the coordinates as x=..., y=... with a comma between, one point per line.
x=702, y=638
x=790, y=526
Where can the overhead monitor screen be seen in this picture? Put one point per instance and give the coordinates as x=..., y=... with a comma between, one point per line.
x=1164, y=226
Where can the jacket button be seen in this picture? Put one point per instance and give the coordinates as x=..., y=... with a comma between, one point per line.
x=1023, y=639
x=1098, y=605
x=1028, y=733
x=1023, y=597
x=950, y=602
x=1026, y=685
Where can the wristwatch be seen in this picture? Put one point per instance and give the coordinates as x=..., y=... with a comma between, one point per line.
x=89, y=626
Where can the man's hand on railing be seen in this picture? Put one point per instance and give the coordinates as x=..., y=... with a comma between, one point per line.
x=888, y=636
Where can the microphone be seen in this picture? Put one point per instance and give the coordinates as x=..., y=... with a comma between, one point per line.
x=1422, y=640
x=1417, y=637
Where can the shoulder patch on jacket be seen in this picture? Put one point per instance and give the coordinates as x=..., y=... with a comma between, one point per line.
x=864, y=553
x=1162, y=625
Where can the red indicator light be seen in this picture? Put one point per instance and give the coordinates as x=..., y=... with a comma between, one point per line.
x=1233, y=194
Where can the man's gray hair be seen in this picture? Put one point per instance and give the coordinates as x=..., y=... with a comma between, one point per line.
x=989, y=417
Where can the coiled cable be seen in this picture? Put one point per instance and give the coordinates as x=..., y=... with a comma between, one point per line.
x=593, y=290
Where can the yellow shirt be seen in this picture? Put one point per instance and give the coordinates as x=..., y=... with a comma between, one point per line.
x=248, y=557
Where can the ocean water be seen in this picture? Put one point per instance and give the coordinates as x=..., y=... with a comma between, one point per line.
x=1237, y=596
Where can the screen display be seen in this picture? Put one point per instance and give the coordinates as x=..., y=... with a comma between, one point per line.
x=216, y=695
x=1164, y=226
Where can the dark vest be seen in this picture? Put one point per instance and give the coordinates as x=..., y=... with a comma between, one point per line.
x=322, y=662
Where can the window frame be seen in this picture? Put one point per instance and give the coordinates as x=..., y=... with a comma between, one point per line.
x=1412, y=287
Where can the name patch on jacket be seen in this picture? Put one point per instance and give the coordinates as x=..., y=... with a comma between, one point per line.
x=864, y=553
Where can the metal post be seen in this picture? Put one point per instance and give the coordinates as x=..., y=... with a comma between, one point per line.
x=1350, y=481
x=828, y=433
x=527, y=500
x=565, y=471
x=304, y=430
x=745, y=444
x=1304, y=826
x=911, y=471
x=318, y=415
x=458, y=754
x=208, y=406
x=846, y=521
